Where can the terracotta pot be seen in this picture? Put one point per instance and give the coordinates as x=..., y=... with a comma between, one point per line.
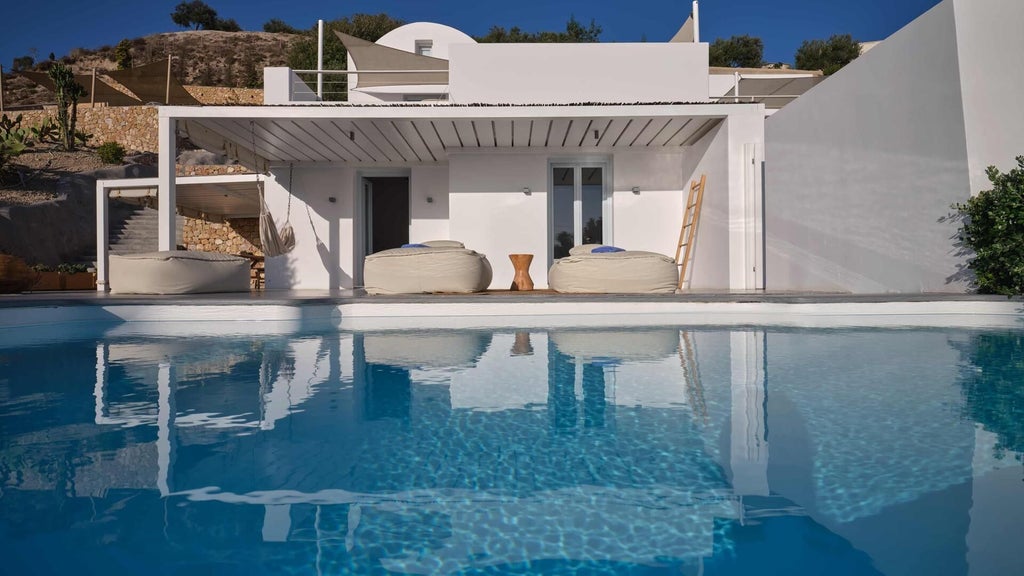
x=15, y=275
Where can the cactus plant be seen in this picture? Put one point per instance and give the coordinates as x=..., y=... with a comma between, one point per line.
x=68, y=93
x=46, y=130
x=13, y=139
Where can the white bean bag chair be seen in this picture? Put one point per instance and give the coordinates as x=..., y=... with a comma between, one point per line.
x=178, y=272
x=626, y=272
x=439, y=266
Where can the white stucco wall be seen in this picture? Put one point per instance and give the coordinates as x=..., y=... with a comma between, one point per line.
x=491, y=214
x=861, y=169
x=651, y=219
x=990, y=45
x=571, y=73
x=322, y=257
x=709, y=266
x=429, y=218
x=282, y=86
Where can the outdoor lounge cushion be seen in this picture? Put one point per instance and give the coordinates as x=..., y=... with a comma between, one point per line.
x=426, y=270
x=178, y=272
x=628, y=272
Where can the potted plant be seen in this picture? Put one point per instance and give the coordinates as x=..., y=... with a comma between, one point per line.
x=47, y=278
x=76, y=277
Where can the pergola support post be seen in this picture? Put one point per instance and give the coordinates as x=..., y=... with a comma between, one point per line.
x=102, y=236
x=166, y=167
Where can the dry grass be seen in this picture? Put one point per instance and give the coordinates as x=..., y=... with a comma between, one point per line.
x=198, y=57
x=33, y=175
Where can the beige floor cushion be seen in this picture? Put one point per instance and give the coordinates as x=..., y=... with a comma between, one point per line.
x=178, y=272
x=426, y=270
x=627, y=272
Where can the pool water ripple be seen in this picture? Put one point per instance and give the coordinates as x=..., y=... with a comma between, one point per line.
x=654, y=450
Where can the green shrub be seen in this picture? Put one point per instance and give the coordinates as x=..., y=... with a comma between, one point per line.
x=111, y=153
x=993, y=227
x=68, y=268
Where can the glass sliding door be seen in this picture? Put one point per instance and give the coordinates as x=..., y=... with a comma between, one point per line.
x=592, y=205
x=580, y=206
x=563, y=196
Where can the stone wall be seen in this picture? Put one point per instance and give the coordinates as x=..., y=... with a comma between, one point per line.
x=211, y=170
x=134, y=127
x=218, y=96
x=231, y=237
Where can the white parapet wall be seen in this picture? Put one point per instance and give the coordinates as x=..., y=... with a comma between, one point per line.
x=862, y=171
x=574, y=73
x=282, y=86
x=989, y=49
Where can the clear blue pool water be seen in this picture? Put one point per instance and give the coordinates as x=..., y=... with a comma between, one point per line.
x=600, y=451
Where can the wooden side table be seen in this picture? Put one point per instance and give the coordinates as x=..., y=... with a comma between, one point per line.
x=521, y=264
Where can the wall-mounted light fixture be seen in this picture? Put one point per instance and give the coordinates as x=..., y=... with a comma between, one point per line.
x=636, y=190
x=526, y=190
x=596, y=135
x=430, y=199
x=351, y=135
x=332, y=199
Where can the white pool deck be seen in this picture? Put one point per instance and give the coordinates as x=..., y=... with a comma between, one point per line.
x=286, y=310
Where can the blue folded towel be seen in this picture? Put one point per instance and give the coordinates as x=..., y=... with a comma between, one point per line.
x=415, y=246
x=602, y=249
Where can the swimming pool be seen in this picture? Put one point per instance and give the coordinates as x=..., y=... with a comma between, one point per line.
x=605, y=450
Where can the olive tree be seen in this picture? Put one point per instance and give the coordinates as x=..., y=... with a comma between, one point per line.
x=737, y=52
x=827, y=55
x=195, y=14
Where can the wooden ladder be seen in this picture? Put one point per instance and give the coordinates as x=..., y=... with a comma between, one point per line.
x=688, y=232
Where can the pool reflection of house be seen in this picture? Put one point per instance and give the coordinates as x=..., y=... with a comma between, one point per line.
x=525, y=432
x=703, y=460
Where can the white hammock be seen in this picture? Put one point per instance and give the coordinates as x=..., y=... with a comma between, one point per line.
x=275, y=242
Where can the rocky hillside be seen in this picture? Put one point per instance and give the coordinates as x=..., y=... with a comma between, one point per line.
x=202, y=57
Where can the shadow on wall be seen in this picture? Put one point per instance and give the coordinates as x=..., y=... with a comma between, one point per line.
x=963, y=275
x=63, y=229
x=316, y=220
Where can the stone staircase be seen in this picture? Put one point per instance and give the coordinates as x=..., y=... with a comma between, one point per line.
x=133, y=229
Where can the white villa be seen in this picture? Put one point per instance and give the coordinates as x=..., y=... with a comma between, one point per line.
x=531, y=148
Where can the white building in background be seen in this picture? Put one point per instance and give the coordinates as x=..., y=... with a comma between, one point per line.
x=861, y=172
x=509, y=147
x=504, y=147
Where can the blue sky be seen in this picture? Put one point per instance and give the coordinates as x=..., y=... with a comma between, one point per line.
x=60, y=25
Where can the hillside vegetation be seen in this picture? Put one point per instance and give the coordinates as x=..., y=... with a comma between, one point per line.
x=198, y=57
